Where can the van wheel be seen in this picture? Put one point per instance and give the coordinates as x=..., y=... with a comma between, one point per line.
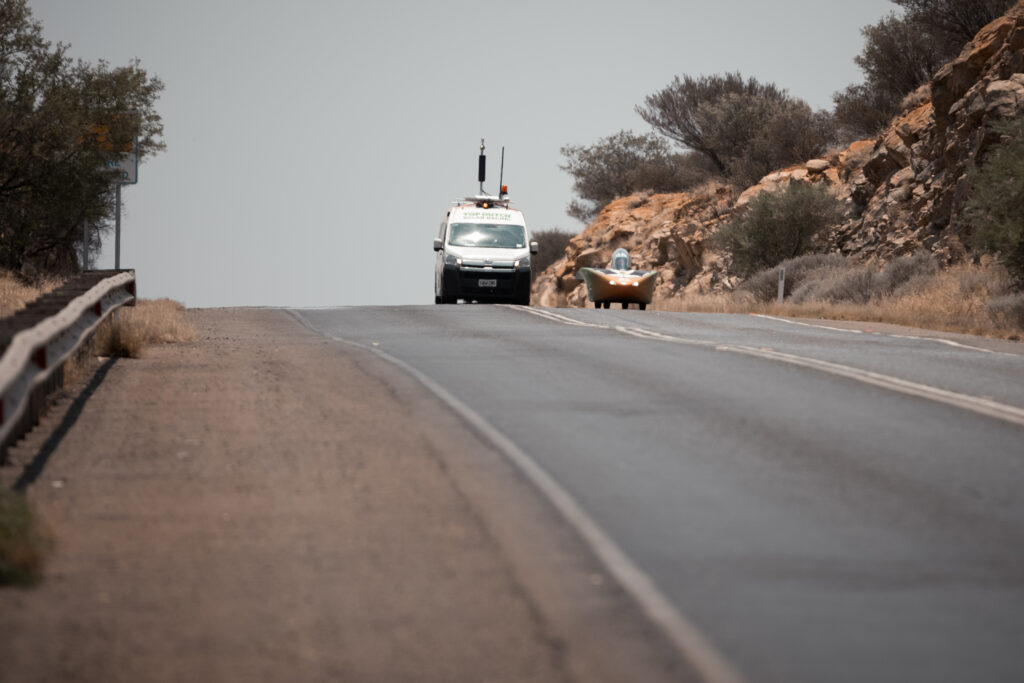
x=522, y=299
x=643, y=307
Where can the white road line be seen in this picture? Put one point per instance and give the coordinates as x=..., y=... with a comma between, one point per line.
x=982, y=406
x=939, y=340
x=797, y=322
x=690, y=641
x=976, y=404
x=556, y=317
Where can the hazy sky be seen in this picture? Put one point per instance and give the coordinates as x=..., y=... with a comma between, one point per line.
x=314, y=145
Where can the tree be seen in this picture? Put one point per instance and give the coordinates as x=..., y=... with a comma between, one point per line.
x=61, y=122
x=953, y=22
x=743, y=127
x=902, y=52
x=996, y=206
x=622, y=164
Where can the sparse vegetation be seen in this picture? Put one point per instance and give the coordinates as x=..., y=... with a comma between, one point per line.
x=996, y=206
x=624, y=163
x=551, y=246
x=24, y=541
x=903, y=51
x=15, y=292
x=745, y=128
x=777, y=226
x=912, y=291
x=130, y=330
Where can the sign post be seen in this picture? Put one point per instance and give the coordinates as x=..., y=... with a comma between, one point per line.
x=128, y=165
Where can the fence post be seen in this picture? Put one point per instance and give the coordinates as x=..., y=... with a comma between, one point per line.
x=782, y=284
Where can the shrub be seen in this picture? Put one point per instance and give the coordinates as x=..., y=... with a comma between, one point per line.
x=130, y=330
x=778, y=226
x=843, y=281
x=897, y=273
x=952, y=23
x=743, y=127
x=24, y=542
x=624, y=163
x=764, y=285
x=1008, y=311
x=16, y=292
x=995, y=209
x=855, y=286
x=551, y=246
x=901, y=52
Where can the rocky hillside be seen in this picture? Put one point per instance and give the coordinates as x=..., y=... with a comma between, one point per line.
x=905, y=189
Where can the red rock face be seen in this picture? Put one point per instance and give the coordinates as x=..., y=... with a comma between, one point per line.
x=905, y=189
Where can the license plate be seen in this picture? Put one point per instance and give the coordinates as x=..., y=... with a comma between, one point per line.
x=487, y=283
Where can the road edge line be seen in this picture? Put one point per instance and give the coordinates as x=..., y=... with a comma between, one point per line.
x=684, y=635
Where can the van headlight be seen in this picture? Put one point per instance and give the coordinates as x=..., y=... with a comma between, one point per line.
x=452, y=260
x=524, y=262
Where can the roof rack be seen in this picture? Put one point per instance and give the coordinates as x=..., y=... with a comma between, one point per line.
x=485, y=199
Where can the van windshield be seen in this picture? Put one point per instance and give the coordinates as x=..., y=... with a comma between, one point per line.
x=497, y=236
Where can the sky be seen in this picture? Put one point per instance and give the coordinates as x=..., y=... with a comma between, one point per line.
x=313, y=146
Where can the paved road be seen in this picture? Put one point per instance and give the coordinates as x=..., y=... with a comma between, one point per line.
x=822, y=505
x=264, y=504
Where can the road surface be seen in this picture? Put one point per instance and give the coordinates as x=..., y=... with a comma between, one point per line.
x=469, y=493
x=813, y=504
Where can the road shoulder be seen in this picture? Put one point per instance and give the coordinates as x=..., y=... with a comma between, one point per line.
x=266, y=504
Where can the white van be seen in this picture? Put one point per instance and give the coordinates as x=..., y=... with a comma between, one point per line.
x=483, y=253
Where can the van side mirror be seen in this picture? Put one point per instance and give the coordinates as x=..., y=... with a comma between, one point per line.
x=534, y=247
x=438, y=244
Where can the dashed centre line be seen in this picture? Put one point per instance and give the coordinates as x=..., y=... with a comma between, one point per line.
x=976, y=404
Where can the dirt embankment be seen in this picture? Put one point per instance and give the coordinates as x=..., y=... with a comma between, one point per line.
x=266, y=505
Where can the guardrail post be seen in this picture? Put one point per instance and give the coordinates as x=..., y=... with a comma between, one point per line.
x=37, y=340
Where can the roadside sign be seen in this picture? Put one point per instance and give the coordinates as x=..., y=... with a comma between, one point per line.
x=128, y=165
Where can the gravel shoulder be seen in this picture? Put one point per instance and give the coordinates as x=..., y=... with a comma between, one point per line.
x=265, y=504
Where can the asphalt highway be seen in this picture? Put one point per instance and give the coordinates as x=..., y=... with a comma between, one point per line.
x=816, y=504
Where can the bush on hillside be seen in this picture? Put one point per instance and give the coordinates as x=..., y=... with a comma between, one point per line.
x=903, y=51
x=764, y=284
x=624, y=163
x=995, y=209
x=551, y=246
x=744, y=128
x=778, y=226
x=952, y=23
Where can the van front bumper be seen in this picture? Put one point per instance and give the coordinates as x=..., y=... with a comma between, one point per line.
x=482, y=284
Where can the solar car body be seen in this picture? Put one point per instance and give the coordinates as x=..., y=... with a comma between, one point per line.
x=619, y=283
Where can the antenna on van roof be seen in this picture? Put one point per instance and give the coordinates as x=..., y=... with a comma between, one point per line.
x=501, y=175
x=481, y=173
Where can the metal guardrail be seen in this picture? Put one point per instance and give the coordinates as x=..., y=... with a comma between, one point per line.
x=37, y=340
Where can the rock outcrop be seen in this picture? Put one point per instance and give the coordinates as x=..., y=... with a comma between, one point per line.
x=663, y=232
x=906, y=189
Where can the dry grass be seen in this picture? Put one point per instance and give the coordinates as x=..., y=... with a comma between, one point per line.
x=151, y=321
x=973, y=299
x=24, y=541
x=15, y=293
